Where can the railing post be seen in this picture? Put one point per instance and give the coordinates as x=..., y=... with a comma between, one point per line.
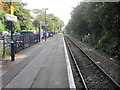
x=3, y=46
x=23, y=42
x=12, y=42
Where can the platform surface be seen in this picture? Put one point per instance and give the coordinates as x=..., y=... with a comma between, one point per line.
x=40, y=66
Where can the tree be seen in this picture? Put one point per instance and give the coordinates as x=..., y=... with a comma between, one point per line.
x=2, y=15
x=101, y=20
x=37, y=12
x=53, y=25
x=24, y=16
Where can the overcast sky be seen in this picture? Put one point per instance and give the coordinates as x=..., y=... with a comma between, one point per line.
x=60, y=8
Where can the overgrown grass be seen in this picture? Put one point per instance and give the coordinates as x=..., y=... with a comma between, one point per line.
x=79, y=37
x=105, y=45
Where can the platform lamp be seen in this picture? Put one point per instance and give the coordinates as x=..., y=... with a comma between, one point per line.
x=1, y=19
x=45, y=22
x=53, y=19
x=12, y=42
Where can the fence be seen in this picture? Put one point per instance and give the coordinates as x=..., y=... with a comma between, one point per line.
x=1, y=48
x=4, y=46
x=20, y=42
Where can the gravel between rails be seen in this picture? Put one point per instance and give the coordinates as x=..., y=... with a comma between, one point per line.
x=77, y=79
x=93, y=77
x=111, y=67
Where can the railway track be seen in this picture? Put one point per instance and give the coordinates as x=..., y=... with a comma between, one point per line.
x=91, y=75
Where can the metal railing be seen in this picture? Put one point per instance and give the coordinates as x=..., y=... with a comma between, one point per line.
x=20, y=43
x=4, y=46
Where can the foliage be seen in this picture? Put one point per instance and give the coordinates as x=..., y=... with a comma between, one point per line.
x=24, y=17
x=54, y=23
x=100, y=20
x=2, y=26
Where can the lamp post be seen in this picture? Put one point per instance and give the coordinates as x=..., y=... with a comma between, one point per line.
x=45, y=23
x=12, y=41
x=55, y=22
x=1, y=20
x=53, y=18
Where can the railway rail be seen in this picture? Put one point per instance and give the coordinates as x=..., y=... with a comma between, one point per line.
x=91, y=74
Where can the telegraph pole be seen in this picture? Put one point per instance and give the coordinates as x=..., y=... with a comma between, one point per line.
x=45, y=25
x=39, y=32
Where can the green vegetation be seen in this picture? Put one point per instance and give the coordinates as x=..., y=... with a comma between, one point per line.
x=54, y=22
x=99, y=21
x=25, y=20
x=2, y=26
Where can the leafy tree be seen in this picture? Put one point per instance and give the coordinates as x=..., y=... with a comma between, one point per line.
x=37, y=11
x=2, y=26
x=101, y=21
x=54, y=22
x=24, y=16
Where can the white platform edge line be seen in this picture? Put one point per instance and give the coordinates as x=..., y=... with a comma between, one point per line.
x=69, y=70
x=0, y=79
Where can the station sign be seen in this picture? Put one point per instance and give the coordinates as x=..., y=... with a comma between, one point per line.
x=37, y=24
x=42, y=23
x=10, y=17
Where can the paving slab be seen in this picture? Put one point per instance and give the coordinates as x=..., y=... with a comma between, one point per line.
x=45, y=67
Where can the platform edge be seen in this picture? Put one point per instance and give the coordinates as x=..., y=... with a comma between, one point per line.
x=69, y=70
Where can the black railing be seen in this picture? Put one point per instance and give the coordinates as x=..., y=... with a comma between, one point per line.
x=4, y=46
x=20, y=43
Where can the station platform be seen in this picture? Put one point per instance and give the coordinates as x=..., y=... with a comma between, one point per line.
x=43, y=65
